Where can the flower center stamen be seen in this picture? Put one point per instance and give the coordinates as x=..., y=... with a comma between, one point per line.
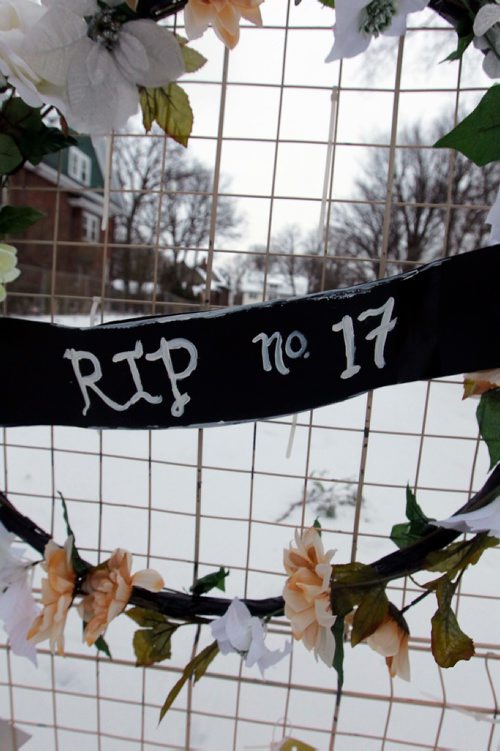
x=104, y=28
x=377, y=16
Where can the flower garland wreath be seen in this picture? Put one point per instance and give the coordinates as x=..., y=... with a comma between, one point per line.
x=95, y=62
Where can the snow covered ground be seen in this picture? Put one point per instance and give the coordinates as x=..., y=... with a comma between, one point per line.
x=138, y=490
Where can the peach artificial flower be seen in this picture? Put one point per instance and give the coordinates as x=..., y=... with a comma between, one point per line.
x=224, y=15
x=57, y=595
x=307, y=594
x=108, y=588
x=478, y=383
x=391, y=641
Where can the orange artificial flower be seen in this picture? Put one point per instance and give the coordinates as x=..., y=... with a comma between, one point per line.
x=478, y=383
x=108, y=588
x=223, y=15
x=307, y=594
x=57, y=595
x=391, y=641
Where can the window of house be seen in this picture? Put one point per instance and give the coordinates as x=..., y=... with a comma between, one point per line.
x=79, y=165
x=91, y=227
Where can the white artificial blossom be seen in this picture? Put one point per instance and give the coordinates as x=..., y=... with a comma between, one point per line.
x=16, y=17
x=17, y=604
x=358, y=21
x=487, y=37
x=95, y=63
x=238, y=631
x=486, y=519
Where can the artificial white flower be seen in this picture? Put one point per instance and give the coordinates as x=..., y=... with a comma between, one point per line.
x=17, y=604
x=16, y=17
x=8, y=270
x=357, y=21
x=96, y=63
x=487, y=33
x=486, y=519
x=239, y=631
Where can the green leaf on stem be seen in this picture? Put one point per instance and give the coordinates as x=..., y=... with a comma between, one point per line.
x=152, y=643
x=417, y=526
x=370, y=613
x=488, y=418
x=449, y=643
x=216, y=580
x=79, y=565
x=169, y=107
x=465, y=35
x=454, y=558
x=338, y=658
x=15, y=219
x=102, y=646
x=478, y=135
x=194, y=669
x=10, y=155
x=193, y=60
x=350, y=582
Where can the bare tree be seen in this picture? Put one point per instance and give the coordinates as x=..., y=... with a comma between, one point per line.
x=421, y=226
x=167, y=202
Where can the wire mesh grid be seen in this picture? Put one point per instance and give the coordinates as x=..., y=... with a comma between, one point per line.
x=292, y=134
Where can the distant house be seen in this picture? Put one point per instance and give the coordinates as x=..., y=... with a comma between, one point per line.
x=278, y=286
x=62, y=254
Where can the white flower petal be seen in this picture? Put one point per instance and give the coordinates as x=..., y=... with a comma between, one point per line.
x=491, y=64
x=49, y=44
x=163, y=62
x=349, y=42
x=98, y=106
x=486, y=519
x=485, y=18
x=18, y=611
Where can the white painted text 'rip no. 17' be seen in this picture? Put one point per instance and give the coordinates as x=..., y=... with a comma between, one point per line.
x=277, y=352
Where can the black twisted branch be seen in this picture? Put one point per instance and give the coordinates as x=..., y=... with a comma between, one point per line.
x=185, y=606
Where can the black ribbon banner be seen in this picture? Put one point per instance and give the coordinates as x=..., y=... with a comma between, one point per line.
x=256, y=361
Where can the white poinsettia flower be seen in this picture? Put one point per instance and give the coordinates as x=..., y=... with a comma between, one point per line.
x=16, y=17
x=487, y=37
x=486, y=519
x=95, y=61
x=239, y=631
x=17, y=604
x=357, y=21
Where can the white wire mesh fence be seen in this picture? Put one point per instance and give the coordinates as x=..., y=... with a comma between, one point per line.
x=284, y=138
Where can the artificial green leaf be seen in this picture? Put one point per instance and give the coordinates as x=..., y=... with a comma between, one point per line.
x=449, y=643
x=317, y=525
x=10, y=155
x=79, y=565
x=328, y=3
x=146, y=618
x=17, y=114
x=154, y=644
x=488, y=418
x=463, y=43
x=193, y=60
x=349, y=583
x=292, y=744
x=210, y=581
x=102, y=645
x=338, y=657
x=369, y=614
x=409, y=532
x=455, y=557
x=478, y=135
x=169, y=107
x=47, y=141
x=194, y=669
x=15, y=219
